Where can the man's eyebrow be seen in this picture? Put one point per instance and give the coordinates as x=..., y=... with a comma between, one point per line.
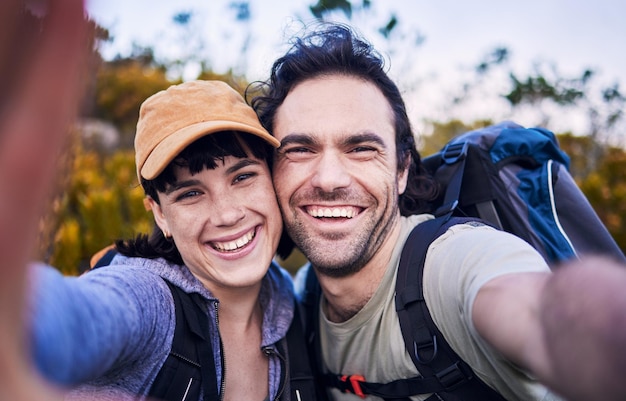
x=364, y=138
x=300, y=139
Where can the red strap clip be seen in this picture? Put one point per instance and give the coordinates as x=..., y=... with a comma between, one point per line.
x=354, y=382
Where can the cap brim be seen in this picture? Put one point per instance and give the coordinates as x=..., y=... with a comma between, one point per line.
x=171, y=146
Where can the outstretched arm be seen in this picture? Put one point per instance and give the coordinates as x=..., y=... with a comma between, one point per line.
x=584, y=325
x=566, y=328
x=40, y=67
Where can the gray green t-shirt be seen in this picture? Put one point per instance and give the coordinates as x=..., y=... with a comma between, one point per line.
x=457, y=265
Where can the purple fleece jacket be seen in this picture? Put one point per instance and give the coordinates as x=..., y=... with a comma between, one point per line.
x=106, y=333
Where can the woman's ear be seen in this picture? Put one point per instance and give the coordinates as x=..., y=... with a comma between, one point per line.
x=159, y=217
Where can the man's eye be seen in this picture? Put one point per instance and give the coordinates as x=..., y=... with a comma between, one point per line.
x=363, y=152
x=360, y=149
x=296, y=150
x=297, y=153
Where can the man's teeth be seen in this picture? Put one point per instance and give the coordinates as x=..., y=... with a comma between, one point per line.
x=236, y=244
x=332, y=212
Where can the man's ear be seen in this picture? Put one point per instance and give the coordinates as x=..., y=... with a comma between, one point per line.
x=403, y=175
x=159, y=217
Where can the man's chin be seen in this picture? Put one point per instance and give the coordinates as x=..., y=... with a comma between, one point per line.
x=335, y=268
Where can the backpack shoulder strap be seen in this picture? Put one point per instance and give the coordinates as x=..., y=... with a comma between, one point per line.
x=301, y=377
x=442, y=371
x=103, y=257
x=430, y=352
x=183, y=375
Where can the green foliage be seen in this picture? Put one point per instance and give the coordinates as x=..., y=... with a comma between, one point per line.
x=534, y=89
x=324, y=10
x=577, y=148
x=323, y=7
x=68, y=245
x=442, y=132
x=121, y=87
x=605, y=185
x=102, y=202
x=606, y=190
x=496, y=57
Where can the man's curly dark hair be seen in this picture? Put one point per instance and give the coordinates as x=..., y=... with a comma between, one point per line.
x=336, y=49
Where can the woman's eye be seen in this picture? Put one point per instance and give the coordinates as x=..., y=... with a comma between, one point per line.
x=243, y=177
x=187, y=195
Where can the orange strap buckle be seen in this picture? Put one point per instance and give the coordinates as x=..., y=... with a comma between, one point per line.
x=354, y=383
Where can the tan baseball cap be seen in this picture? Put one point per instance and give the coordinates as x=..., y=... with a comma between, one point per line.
x=172, y=119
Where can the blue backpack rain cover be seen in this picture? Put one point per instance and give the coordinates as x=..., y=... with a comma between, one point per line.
x=518, y=180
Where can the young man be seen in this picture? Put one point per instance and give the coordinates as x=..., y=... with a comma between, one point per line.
x=351, y=187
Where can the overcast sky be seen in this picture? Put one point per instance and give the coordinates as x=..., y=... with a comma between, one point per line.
x=572, y=34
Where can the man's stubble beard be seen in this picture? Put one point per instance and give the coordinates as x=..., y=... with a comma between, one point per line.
x=333, y=262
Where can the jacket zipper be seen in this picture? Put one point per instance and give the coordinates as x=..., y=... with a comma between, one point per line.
x=270, y=351
x=223, y=359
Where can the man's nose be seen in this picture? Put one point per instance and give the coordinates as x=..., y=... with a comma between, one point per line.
x=331, y=173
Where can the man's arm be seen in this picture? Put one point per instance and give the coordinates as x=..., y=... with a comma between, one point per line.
x=40, y=67
x=567, y=328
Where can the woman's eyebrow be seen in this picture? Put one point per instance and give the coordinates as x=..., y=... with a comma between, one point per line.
x=180, y=184
x=242, y=163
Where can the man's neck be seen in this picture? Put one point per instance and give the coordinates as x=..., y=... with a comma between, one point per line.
x=346, y=296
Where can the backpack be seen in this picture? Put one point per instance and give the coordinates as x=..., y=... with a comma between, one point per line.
x=506, y=176
x=517, y=179
x=183, y=376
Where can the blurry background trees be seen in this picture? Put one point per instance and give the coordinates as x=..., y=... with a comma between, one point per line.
x=99, y=199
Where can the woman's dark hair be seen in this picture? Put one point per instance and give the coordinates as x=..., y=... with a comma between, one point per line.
x=205, y=153
x=335, y=49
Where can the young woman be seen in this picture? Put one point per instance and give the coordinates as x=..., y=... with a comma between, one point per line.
x=201, y=158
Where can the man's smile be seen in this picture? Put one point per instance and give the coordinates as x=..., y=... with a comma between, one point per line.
x=333, y=211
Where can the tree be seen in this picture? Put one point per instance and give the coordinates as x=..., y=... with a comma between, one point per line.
x=100, y=201
x=443, y=132
x=604, y=112
x=122, y=85
x=394, y=39
x=605, y=188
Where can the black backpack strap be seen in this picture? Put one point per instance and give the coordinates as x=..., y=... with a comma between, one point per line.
x=183, y=375
x=189, y=367
x=431, y=354
x=455, y=155
x=396, y=390
x=310, y=302
x=106, y=259
x=301, y=377
x=442, y=371
x=460, y=163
